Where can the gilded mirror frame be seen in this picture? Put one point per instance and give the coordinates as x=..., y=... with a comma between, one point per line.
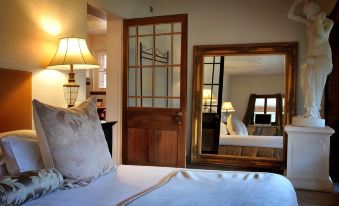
x=289, y=50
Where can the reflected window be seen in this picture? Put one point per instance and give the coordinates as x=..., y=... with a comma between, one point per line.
x=267, y=105
x=102, y=61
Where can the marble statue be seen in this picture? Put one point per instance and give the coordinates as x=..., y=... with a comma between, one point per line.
x=318, y=61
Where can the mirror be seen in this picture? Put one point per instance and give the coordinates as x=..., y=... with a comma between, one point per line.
x=243, y=96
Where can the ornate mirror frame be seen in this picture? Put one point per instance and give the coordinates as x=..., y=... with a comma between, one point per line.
x=289, y=49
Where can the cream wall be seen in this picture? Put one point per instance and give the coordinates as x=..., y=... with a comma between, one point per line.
x=241, y=87
x=233, y=22
x=30, y=30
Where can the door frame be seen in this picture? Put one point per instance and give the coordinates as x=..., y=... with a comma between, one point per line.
x=183, y=18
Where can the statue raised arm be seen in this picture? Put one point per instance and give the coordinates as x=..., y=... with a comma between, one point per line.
x=318, y=61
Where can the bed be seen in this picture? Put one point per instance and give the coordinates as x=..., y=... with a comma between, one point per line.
x=251, y=145
x=129, y=185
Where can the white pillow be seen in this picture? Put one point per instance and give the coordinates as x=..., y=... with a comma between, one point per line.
x=223, y=129
x=21, y=151
x=236, y=127
x=72, y=141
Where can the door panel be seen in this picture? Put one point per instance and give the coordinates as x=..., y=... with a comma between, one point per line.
x=155, y=59
x=137, y=145
x=166, y=148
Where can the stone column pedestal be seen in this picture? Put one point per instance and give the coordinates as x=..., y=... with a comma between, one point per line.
x=308, y=157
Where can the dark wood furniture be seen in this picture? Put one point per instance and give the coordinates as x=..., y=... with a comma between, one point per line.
x=332, y=96
x=107, y=128
x=289, y=50
x=16, y=100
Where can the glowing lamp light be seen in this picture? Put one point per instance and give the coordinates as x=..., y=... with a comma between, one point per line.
x=72, y=54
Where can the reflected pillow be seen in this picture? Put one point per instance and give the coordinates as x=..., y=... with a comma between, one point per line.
x=72, y=141
x=236, y=127
x=21, y=151
x=223, y=129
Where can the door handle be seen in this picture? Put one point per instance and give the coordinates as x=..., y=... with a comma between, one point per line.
x=177, y=118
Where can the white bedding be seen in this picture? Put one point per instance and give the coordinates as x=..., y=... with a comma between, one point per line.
x=252, y=140
x=257, y=188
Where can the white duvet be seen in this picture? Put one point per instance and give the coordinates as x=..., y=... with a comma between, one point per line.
x=252, y=140
x=218, y=188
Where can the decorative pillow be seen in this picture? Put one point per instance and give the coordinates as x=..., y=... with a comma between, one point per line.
x=72, y=141
x=236, y=127
x=223, y=129
x=20, y=151
x=15, y=190
x=21, y=154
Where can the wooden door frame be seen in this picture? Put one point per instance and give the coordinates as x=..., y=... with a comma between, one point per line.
x=183, y=18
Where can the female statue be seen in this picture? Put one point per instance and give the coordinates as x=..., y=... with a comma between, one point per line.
x=318, y=62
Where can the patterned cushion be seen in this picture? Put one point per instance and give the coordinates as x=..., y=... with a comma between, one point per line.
x=21, y=151
x=72, y=141
x=236, y=127
x=15, y=190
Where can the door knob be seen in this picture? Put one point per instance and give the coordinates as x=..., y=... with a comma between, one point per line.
x=177, y=118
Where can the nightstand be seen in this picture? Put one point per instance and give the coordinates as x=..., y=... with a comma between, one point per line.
x=107, y=128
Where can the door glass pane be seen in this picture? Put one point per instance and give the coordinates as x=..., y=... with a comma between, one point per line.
x=177, y=49
x=131, y=82
x=132, y=31
x=208, y=59
x=146, y=102
x=208, y=70
x=215, y=95
x=216, y=73
x=143, y=30
x=163, y=48
x=177, y=27
x=160, y=103
x=162, y=28
x=176, y=82
x=162, y=82
x=132, y=53
x=174, y=103
x=146, y=74
x=145, y=45
x=131, y=102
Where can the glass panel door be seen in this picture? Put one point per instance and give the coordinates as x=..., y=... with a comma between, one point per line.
x=154, y=65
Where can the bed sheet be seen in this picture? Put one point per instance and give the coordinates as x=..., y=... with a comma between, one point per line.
x=129, y=180
x=252, y=141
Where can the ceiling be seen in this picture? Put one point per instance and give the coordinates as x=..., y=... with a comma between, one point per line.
x=246, y=65
x=96, y=25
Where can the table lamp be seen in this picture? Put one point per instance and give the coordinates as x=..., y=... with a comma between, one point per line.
x=227, y=107
x=207, y=96
x=72, y=54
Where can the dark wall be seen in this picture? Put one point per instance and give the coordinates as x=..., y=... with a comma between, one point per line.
x=332, y=96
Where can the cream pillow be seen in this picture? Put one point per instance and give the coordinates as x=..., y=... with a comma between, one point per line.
x=223, y=129
x=236, y=127
x=72, y=141
x=21, y=151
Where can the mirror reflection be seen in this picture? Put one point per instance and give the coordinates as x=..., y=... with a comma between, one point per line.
x=243, y=105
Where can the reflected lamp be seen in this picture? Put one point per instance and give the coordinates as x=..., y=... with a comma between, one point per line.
x=227, y=107
x=72, y=54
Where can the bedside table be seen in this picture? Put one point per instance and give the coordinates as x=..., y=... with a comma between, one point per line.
x=107, y=128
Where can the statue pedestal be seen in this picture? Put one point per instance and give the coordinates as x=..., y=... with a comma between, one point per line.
x=307, y=122
x=308, y=157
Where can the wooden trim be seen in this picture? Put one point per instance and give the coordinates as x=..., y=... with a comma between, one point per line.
x=289, y=49
x=16, y=100
x=97, y=92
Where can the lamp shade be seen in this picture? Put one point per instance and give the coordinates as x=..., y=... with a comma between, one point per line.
x=73, y=51
x=227, y=107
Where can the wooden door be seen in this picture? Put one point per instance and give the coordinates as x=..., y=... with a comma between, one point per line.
x=154, y=90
